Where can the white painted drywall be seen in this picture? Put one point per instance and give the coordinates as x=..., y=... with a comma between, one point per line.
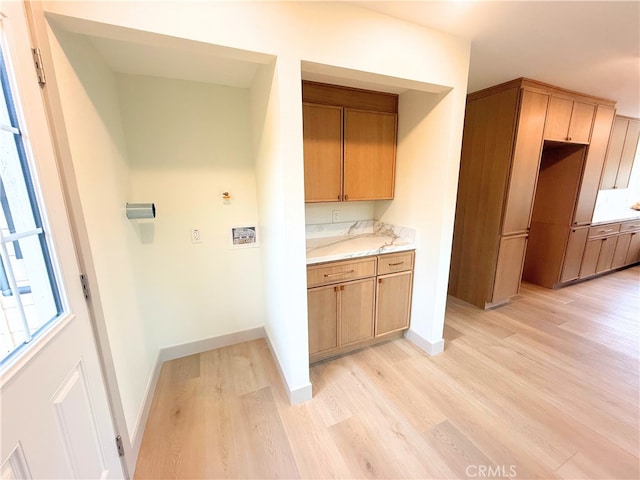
x=88, y=93
x=362, y=43
x=188, y=142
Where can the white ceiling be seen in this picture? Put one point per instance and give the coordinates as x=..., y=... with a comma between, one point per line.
x=589, y=47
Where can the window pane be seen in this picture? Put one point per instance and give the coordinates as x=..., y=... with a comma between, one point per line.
x=29, y=295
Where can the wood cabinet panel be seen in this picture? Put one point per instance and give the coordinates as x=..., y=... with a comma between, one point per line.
x=620, y=253
x=568, y=120
x=620, y=153
x=573, y=255
x=590, y=257
x=369, y=154
x=322, y=133
x=322, y=304
x=581, y=122
x=487, y=145
x=398, y=262
x=605, y=258
x=558, y=119
x=633, y=253
x=356, y=311
x=509, y=268
x=349, y=143
x=603, y=230
x=628, y=154
x=393, y=302
x=525, y=164
x=335, y=272
x=594, y=163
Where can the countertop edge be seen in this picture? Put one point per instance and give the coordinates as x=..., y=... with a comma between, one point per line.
x=358, y=254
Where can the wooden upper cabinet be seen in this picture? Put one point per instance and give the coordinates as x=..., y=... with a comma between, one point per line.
x=569, y=120
x=349, y=143
x=525, y=163
x=594, y=162
x=369, y=154
x=322, y=133
x=621, y=152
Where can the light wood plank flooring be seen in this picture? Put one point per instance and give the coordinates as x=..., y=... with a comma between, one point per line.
x=545, y=387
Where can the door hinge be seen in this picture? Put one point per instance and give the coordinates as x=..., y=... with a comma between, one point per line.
x=85, y=286
x=119, y=446
x=37, y=59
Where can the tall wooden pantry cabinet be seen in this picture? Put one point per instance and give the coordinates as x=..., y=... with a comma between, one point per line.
x=506, y=129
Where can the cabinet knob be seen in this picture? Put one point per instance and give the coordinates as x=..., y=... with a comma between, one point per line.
x=346, y=197
x=379, y=280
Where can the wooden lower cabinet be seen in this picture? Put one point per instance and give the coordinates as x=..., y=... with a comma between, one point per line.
x=356, y=302
x=633, y=253
x=573, y=254
x=393, y=302
x=322, y=303
x=620, y=252
x=345, y=315
x=508, y=269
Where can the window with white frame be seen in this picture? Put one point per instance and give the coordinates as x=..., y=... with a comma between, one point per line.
x=29, y=293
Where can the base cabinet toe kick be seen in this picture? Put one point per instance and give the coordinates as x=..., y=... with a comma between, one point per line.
x=358, y=302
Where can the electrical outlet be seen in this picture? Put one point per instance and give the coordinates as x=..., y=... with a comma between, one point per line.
x=196, y=235
x=335, y=216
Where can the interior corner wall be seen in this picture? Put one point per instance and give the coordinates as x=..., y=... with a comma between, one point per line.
x=426, y=186
x=90, y=106
x=281, y=212
x=188, y=142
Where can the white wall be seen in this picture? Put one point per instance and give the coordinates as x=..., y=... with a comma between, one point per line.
x=89, y=95
x=348, y=211
x=188, y=142
x=363, y=43
x=429, y=136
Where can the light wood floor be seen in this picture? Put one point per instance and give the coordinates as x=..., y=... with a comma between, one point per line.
x=546, y=387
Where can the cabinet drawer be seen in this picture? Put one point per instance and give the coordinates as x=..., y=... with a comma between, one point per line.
x=396, y=262
x=631, y=226
x=604, y=230
x=335, y=272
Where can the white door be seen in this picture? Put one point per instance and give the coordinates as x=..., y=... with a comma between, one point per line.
x=54, y=414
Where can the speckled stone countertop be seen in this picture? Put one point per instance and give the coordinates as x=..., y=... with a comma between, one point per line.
x=340, y=241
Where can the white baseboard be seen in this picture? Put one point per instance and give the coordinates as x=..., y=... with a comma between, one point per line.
x=424, y=344
x=296, y=395
x=135, y=438
x=206, y=344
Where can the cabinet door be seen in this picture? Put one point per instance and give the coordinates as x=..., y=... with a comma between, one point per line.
x=323, y=319
x=633, y=253
x=614, y=152
x=573, y=254
x=594, y=163
x=393, y=302
x=356, y=311
x=621, y=250
x=568, y=120
x=558, y=119
x=607, y=249
x=590, y=257
x=509, y=268
x=369, y=154
x=581, y=121
x=628, y=154
x=525, y=163
x=322, y=132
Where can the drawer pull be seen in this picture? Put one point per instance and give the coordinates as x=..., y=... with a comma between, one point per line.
x=606, y=230
x=395, y=264
x=327, y=275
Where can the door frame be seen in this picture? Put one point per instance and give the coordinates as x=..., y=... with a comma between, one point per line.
x=54, y=112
